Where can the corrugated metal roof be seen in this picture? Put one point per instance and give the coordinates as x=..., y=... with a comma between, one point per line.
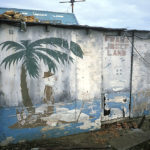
x=71, y=26
x=52, y=17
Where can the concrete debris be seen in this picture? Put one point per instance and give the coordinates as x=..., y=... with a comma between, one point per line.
x=121, y=125
x=125, y=125
x=17, y=16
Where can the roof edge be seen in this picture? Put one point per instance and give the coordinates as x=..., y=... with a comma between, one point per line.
x=17, y=23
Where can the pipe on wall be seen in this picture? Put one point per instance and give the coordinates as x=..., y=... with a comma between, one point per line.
x=131, y=73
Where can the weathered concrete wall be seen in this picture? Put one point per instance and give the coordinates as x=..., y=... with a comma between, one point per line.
x=73, y=77
x=116, y=76
x=65, y=103
x=141, y=74
x=76, y=96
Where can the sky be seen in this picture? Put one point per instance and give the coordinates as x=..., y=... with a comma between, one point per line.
x=130, y=14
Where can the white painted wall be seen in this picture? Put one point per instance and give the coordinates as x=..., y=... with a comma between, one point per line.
x=80, y=80
x=141, y=75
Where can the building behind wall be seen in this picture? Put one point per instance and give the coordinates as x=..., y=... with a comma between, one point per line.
x=46, y=16
x=92, y=82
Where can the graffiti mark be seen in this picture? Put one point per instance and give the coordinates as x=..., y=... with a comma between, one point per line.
x=111, y=52
x=116, y=46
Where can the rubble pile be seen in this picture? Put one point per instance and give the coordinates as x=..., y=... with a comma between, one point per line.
x=12, y=15
x=121, y=125
x=114, y=130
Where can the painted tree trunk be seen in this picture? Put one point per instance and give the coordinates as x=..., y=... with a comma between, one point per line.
x=49, y=99
x=24, y=90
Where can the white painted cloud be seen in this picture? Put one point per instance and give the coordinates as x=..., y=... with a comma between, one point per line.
x=132, y=14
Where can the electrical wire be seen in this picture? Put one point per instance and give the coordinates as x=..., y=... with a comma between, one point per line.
x=136, y=49
x=147, y=38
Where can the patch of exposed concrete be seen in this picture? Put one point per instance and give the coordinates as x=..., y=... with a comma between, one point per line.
x=70, y=116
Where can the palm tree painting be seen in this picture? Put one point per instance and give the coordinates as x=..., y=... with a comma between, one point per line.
x=31, y=53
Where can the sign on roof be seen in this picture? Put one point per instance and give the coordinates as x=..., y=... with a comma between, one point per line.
x=46, y=16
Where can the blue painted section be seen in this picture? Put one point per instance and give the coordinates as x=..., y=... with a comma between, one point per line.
x=53, y=17
x=146, y=112
x=110, y=102
x=112, y=95
x=87, y=106
x=8, y=118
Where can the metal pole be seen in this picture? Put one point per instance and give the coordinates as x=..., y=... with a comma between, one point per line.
x=131, y=73
x=72, y=4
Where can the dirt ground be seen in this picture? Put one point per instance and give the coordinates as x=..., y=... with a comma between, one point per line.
x=110, y=137
x=142, y=146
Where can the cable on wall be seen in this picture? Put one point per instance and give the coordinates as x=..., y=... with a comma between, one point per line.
x=142, y=38
x=136, y=49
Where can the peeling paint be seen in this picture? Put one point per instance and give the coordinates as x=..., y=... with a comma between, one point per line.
x=73, y=93
x=87, y=124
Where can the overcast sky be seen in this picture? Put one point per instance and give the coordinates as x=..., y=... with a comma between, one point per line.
x=131, y=14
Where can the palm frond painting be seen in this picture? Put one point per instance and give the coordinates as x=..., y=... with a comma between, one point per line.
x=31, y=53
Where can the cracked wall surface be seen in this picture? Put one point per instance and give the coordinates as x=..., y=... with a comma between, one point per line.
x=91, y=83
x=58, y=103
x=141, y=75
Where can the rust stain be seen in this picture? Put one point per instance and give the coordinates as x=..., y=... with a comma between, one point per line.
x=116, y=46
x=112, y=52
x=48, y=97
x=47, y=74
x=48, y=94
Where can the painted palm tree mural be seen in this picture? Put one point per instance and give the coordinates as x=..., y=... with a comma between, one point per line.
x=31, y=53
